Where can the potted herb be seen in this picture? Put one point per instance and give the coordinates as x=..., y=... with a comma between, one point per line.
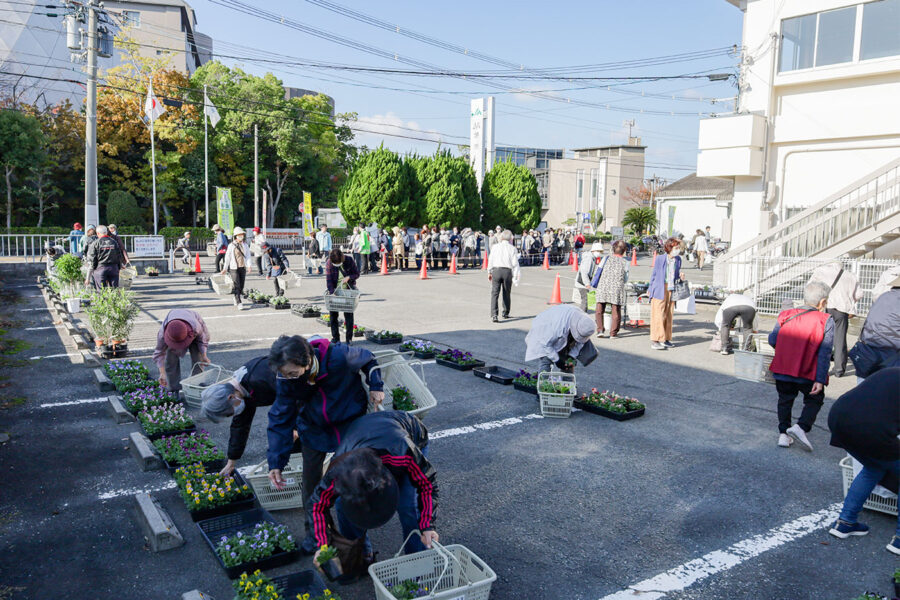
x=142, y=398
x=556, y=388
x=384, y=337
x=111, y=317
x=188, y=270
x=325, y=319
x=279, y=303
x=307, y=311
x=408, y=590
x=419, y=348
x=189, y=448
x=359, y=331
x=402, y=399
x=151, y=272
x=457, y=359
x=249, y=540
x=67, y=270
x=610, y=405
x=526, y=381
x=328, y=563
x=208, y=495
x=165, y=419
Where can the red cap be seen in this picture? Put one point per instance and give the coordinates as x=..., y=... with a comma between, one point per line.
x=178, y=334
x=77, y=225
x=256, y=230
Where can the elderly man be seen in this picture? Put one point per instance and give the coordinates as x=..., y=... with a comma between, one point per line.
x=182, y=330
x=275, y=263
x=104, y=259
x=802, y=339
x=590, y=261
x=503, y=271
x=841, y=306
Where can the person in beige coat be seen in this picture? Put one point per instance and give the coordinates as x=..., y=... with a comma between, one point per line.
x=841, y=306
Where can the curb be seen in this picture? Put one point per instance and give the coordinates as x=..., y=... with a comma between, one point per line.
x=117, y=411
x=156, y=523
x=144, y=452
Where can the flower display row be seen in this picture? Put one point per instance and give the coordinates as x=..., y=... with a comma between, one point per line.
x=265, y=539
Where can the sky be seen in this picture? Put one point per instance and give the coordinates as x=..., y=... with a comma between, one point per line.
x=535, y=35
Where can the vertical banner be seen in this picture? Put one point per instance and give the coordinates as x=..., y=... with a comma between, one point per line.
x=225, y=213
x=476, y=140
x=671, y=220
x=265, y=207
x=489, y=134
x=308, y=228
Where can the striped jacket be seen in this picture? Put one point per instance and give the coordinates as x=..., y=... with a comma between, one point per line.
x=398, y=438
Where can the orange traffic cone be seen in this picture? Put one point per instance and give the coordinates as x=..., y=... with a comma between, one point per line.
x=197, y=268
x=384, y=270
x=574, y=262
x=546, y=266
x=571, y=257
x=423, y=274
x=484, y=263
x=453, y=265
x=556, y=298
x=634, y=257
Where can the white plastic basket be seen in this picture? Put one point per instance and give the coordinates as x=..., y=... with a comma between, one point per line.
x=127, y=274
x=271, y=498
x=288, y=280
x=221, y=284
x=753, y=365
x=449, y=572
x=874, y=502
x=194, y=385
x=397, y=371
x=342, y=300
x=211, y=249
x=556, y=405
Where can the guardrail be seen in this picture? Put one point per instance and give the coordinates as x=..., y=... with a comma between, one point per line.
x=31, y=247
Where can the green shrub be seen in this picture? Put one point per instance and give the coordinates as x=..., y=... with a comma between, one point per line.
x=122, y=209
x=68, y=269
x=197, y=233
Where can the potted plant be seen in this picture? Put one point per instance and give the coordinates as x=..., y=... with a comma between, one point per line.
x=402, y=399
x=142, y=398
x=152, y=272
x=67, y=270
x=408, y=590
x=610, y=405
x=208, y=495
x=359, y=331
x=328, y=563
x=165, y=419
x=384, y=337
x=419, y=348
x=307, y=311
x=188, y=270
x=457, y=359
x=111, y=317
x=897, y=583
x=247, y=540
x=279, y=303
x=189, y=448
x=526, y=381
x=305, y=585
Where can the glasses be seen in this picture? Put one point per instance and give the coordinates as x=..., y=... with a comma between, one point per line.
x=288, y=377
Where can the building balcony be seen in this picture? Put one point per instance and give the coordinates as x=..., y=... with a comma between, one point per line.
x=731, y=146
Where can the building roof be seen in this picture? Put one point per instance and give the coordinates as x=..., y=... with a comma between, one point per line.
x=608, y=148
x=701, y=187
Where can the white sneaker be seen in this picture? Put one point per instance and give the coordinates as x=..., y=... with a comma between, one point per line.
x=784, y=440
x=240, y=306
x=235, y=301
x=800, y=435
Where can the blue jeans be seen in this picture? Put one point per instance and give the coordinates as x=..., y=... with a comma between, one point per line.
x=872, y=472
x=407, y=512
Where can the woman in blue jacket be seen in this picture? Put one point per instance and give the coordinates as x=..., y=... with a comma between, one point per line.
x=317, y=389
x=666, y=271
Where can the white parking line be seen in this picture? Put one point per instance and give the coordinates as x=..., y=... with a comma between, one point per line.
x=42, y=328
x=72, y=402
x=683, y=576
x=132, y=491
x=54, y=355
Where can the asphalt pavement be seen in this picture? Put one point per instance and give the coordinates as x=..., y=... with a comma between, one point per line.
x=692, y=500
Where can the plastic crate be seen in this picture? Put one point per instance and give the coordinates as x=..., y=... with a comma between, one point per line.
x=753, y=365
x=221, y=284
x=271, y=498
x=211, y=249
x=875, y=502
x=288, y=280
x=127, y=273
x=397, y=371
x=556, y=405
x=450, y=572
x=342, y=301
x=194, y=385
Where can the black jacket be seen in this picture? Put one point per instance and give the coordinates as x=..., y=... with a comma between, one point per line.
x=104, y=252
x=275, y=259
x=866, y=420
x=259, y=382
x=398, y=438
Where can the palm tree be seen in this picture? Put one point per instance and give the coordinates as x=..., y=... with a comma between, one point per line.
x=640, y=219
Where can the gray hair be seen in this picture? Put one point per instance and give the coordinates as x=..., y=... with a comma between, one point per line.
x=507, y=235
x=815, y=292
x=112, y=227
x=216, y=404
x=101, y=230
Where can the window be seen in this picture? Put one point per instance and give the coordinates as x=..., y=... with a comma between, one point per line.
x=579, y=190
x=594, y=182
x=879, y=29
x=834, y=42
x=131, y=18
x=798, y=42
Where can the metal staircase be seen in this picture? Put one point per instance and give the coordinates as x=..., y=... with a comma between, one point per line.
x=851, y=223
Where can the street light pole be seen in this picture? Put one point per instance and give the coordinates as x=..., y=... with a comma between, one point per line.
x=255, y=175
x=91, y=208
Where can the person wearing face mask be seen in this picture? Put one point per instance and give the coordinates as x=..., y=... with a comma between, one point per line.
x=609, y=281
x=237, y=257
x=666, y=271
x=252, y=386
x=590, y=262
x=318, y=389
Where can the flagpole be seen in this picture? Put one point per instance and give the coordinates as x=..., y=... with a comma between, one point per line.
x=153, y=163
x=206, y=155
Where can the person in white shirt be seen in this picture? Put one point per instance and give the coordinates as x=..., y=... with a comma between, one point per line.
x=841, y=306
x=701, y=247
x=503, y=271
x=734, y=306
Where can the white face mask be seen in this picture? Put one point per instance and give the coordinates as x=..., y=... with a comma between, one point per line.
x=676, y=251
x=239, y=408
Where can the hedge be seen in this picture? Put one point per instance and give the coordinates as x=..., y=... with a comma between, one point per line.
x=172, y=234
x=66, y=230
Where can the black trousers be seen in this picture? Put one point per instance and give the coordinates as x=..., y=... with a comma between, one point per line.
x=729, y=317
x=373, y=261
x=259, y=268
x=336, y=328
x=238, y=277
x=501, y=279
x=312, y=475
x=219, y=258
x=787, y=393
x=106, y=276
x=841, y=320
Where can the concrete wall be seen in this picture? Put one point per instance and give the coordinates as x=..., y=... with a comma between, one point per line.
x=692, y=214
x=160, y=28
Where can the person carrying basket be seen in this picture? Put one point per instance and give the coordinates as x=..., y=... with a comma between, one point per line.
x=182, y=330
x=276, y=264
x=340, y=271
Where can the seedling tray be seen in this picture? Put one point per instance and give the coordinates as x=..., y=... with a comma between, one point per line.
x=385, y=341
x=457, y=366
x=226, y=509
x=280, y=306
x=134, y=413
x=213, y=529
x=423, y=355
x=525, y=388
x=634, y=414
x=209, y=466
x=156, y=436
x=297, y=584
x=496, y=374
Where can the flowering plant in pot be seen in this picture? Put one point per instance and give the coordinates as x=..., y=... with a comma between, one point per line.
x=457, y=356
x=265, y=539
x=279, y=303
x=165, y=419
x=403, y=399
x=420, y=348
x=118, y=368
x=610, y=404
x=408, y=590
x=202, y=491
x=526, y=379
x=133, y=383
x=258, y=586
x=68, y=273
x=384, y=336
x=188, y=448
x=359, y=331
x=151, y=271
x=556, y=387
x=328, y=563
x=142, y=398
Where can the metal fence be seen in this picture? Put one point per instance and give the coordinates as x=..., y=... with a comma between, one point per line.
x=775, y=280
x=28, y=247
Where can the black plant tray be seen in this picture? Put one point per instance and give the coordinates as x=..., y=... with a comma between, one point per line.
x=297, y=584
x=226, y=509
x=359, y=334
x=525, y=388
x=328, y=323
x=457, y=366
x=312, y=315
x=280, y=306
x=152, y=274
x=156, y=436
x=384, y=341
x=213, y=529
x=120, y=351
x=424, y=355
x=496, y=374
x=634, y=414
x=210, y=465
x=260, y=301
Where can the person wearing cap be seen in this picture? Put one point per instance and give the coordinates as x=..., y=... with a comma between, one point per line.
x=221, y=245
x=257, y=239
x=559, y=333
x=182, y=330
x=184, y=244
x=589, y=264
x=251, y=387
x=340, y=270
x=75, y=238
x=319, y=391
x=235, y=264
x=276, y=263
x=104, y=259
x=609, y=281
x=380, y=468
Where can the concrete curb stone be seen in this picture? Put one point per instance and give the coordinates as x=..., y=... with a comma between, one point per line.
x=156, y=524
x=117, y=411
x=102, y=381
x=143, y=451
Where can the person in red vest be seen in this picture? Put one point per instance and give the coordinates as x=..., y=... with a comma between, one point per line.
x=803, y=338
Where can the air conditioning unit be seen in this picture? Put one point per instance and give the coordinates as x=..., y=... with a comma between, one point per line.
x=105, y=42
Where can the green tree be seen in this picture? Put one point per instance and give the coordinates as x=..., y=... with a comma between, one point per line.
x=379, y=190
x=641, y=220
x=449, y=192
x=123, y=210
x=510, y=198
x=21, y=145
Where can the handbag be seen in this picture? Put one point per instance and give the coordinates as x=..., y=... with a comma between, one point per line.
x=682, y=290
x=867, y=360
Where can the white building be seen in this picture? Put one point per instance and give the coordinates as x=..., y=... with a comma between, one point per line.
x=693, y=203
x=814, y=146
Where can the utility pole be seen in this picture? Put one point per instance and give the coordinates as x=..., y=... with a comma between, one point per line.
x=255, y=176
x=91, y=208
x=206, y=156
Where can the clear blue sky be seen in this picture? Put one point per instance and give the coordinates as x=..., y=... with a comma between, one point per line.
x=531, y=33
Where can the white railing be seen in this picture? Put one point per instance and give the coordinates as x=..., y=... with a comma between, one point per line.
x=31, y=247
x=853, y=209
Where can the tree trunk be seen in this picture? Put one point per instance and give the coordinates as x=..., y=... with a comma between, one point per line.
x=194, y=212
x=167, y=213
x=276, y=197
x=40, y=195
x=9, y=171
